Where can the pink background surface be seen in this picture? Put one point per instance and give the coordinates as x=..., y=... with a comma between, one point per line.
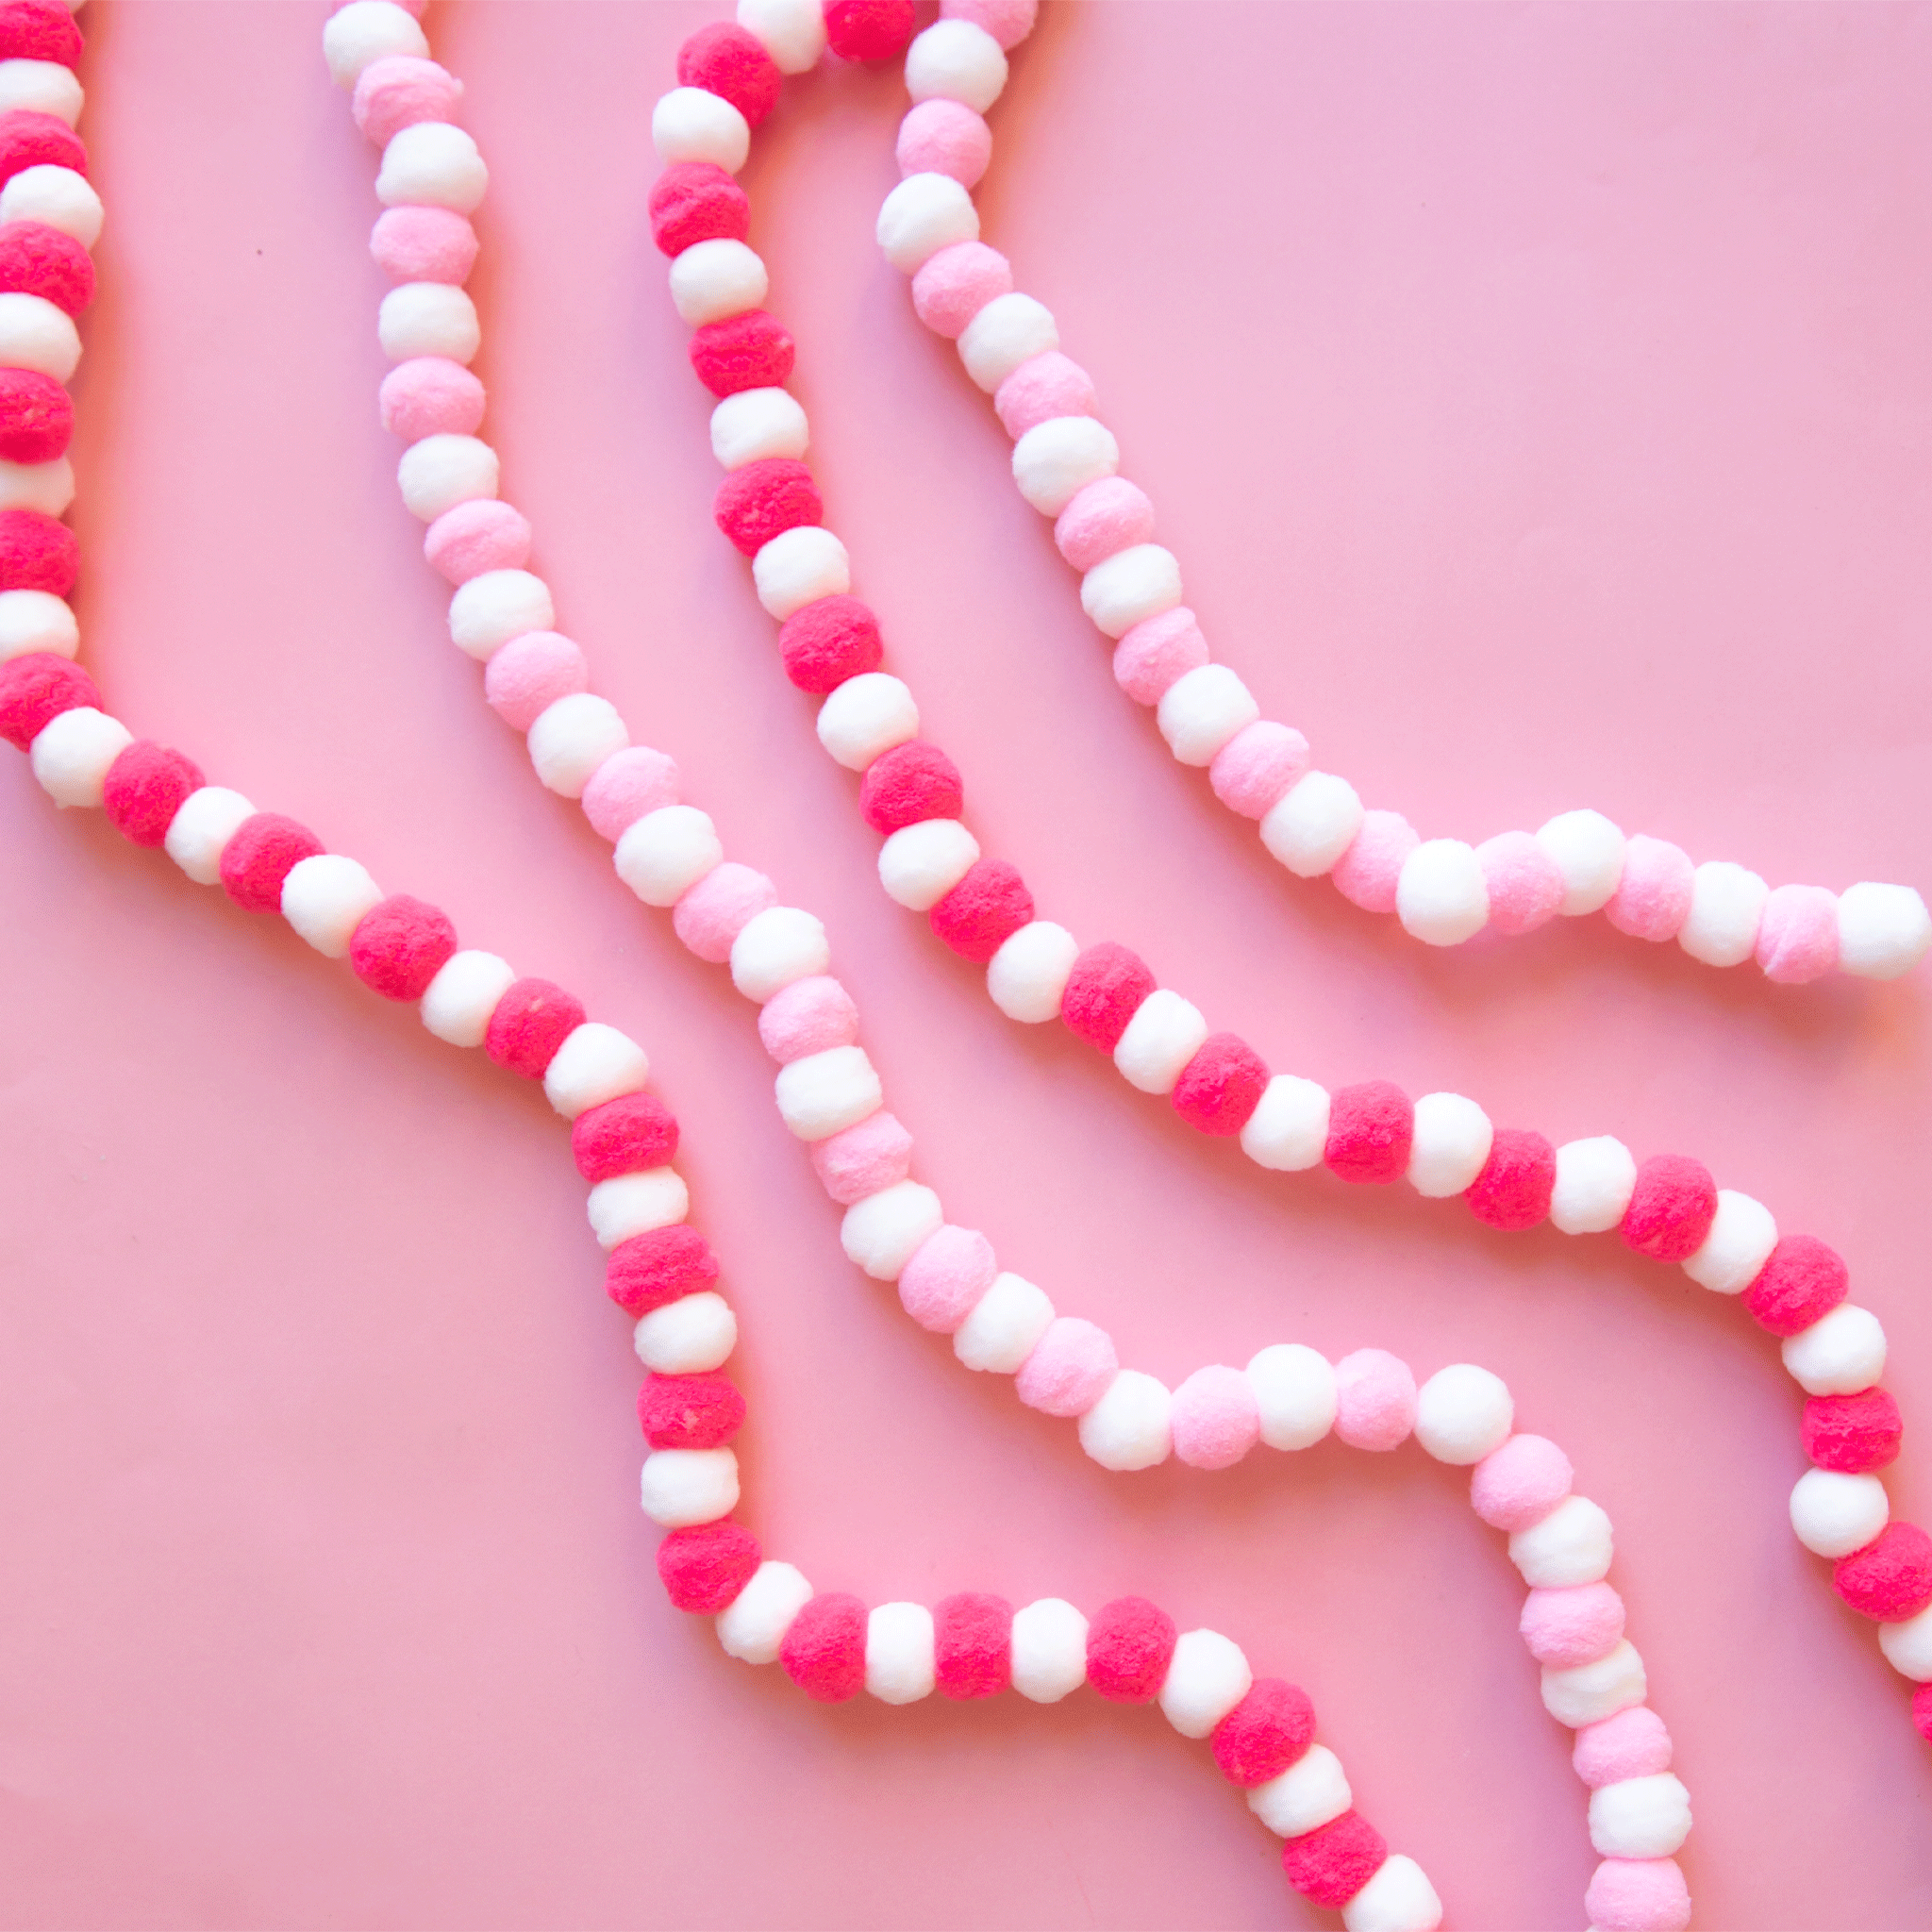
x=1538, y=401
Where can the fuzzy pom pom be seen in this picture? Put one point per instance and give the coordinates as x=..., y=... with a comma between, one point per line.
x=704, y=1567
x=481, y=534
x=863, y=1160
x=1671, y=1209
x=946, y=1277
x=910, y=782
x=530, y=672
x=1131, y=585
x=1049, y=1650
x=37, y=553
x=825, y=1092
x=1463, y=1414
x=627, y=785
x=71, y=756
x=1220, y=1086
x=1254, y=770
x=1633, y=1744
x=1027, y=979
x=941, y=137
x=692, y=124
x=778, y=948
x=1882, y=931
x=1374, y=1399
x=400, y=90
x=1594, y=1181
x=690, y=1411
x=1524, y=884
x=37, y=687
x=39, y=30
x=1573, y=1625
x=144, y=789
x=710, y=914
x=423, y=244
x=988, y=905
x=1007, y=1324
x=1450, y=1146
x=259, y=855
x=652, y=1270
x=791, y=31
x=1129, y=1645
x=1333, y=1862
x=1294, y=1391
x=201, y=827
x=1368, y=874
x=973, y=1644
x=1130, y=1426
x=430, y=395
x=1312, y=825
x=697, y=201
x=1587, y=850
x=1069, y=1369
x=1104, y=991
x=636, y=1204
x=1045, y=386
x=756, y=423
x=881, y=1233
x=823, y=1650
x=1055, y=459
x=36, y=621
x=1265, y=1733
x=687, y=1336
x=1853, y=1434
x=1440, y=896
x=956, y=59
x=35, y=417
x=752, y=350
x=798, y=567
x=1209, y=1676
x=1215, y=1419
x=1573, y=1544
x=1585, y=1694
x=1890, y=1579
x=400, y=946
x=764, y=499
x=1163, y=1036
x=1107, y=515
x=1514, y=1188
x=531, y=1021
x=811, y=1015
x=1637, y=1895
x=1652, y=896
x=39, y=259
x=714, y=280
x=1842, y=1353
x=827, y=642
x=923, y=214
x=1726, y=903
x=1517, y=1486
x=726, y=60
x=869, y=30
x=1370, y=1127
x=1309, y=1794
x=755, y=1625
x=899, y=1663
x=1797, y=935
x=627, y=1135
x=1834, y=1514
x=952, y=286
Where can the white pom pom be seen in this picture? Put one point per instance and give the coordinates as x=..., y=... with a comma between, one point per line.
x=634, y=1204
x=1311, y=1792
x=1726, y=903
x=1202, y=710
x=326, y=897
x=1310, y=827
x=1640, y=1817
x=1163, y=1036
x=690, y=1335
x=40, y=87
x=920, y=865
x=56, y=196
x=441, y=471
x=1055, y=459
x=36, y=621
x=1005, y=1327
x=44, y=487
x=1399, y=1898
x=367, y=30
x=36, y=335
x=1572, y=1544
x=757, y=423
x=1206, y=1676
x=956, y=61
x=1741, y=1237
x=1461, y=1413
x=595, y=1063
x=1907, y=1646
x=70, y=753
x=200, y=828
x=489, y=610
x=922, y=215
x=463, y=995
x=776, y=947
x=1049, y=1650
x=1595, y=1182
x=867, y=715
x=1588, y=852
x=428, y=319
x=1131, y=1426
x=825, y=1092
x=662, y=855
x=1028, y=978
x=1294, y=1391
x=1840, y=1354
x=899, y=1659
x=691, y=124
x=1133, y=584
x=571, y=738
x=755, y=1625
x=431, y=164
x=798, y=567
x=1440, y=896
x=1882, y=931
x=791, y=31
x=713, y=279
x=1289, y=1128
x=1588, y=1693
x=880, y=1233
x=1009, y=330
x=1451, y=1145
x=1833, y=1514
x=682, y=1487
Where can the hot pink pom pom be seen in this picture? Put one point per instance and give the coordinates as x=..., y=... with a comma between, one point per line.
x=400, y=946
x=983, y=910
x=36, y=688
x=944, y=138
x=430, y=395
x=868, y=29
x=1374, y=1399
x=828, y=640
x=530, y=1022
x=259, y=855
x=423, y=244
x=943, y=1281
x=1853, y=1434
x=1044, y=387
x=36, y=259
x=690, y=1411
x=722, y=58
x=39, y=30
x=1513, y=1190
x=399, y=90
x=1515, y=1487
x=909, y=783
x=1633, y=1744
x=653, y=1269
x=808, y=1016
x=1370, y=1127
x=696, y=201
x=530, y=672
x=1671, y=1207
x=875, y=1154
x=35, y=417
x=480, y=535
x=1129, y=1645
x=749, y=351
x=37, y=553
x=1367, y=872
x=1803, y=1280
x=1332, y=1863
x=1007, y=21
x=625, y=786
x=973, y=1644
x=823, y=1650
x=715, y=910
x=1922, y=1712
x=1254, y=769
x=1653, y=898
x=1797, y=935
x=1637, y=1895
x=631, y=1134
x=1216, y=1419
x=144, y=789
x=1267, y=1731
x=1221, y=1085
x=1524, y=886
x=1069, y=1370
x=1890, y=1579
x=957, y=283
x=1575, y=1625
x=1105, y=516
x=31, y=139
x=765, y=499
x=1157, y=652
x=1102, y=993
x=704, y=1567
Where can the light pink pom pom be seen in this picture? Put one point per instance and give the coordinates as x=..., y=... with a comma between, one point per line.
x=875, y=1154
x=423, y=244
x=430, y=395
x=1216, y=1419
x=1367, y=872
x=1515, y=1487
x=1254, y=769
x=483, y=534
x=1007, y=21
x=1653, y=898
x=1564, y=1627
x=400, y=90
x=808, y=1016
x=715, y=910
x=1069, y=1370
x=1049, y=385
x=530, y=672
x=957, y=283
x=1374, y=1399
x=948, y=1273
x=1633, y=1744
x=1105, y=516
x=1797, y=936
x=1157, y=652
x=625, y=786
x=1524, y=884
x=944, y=138
x=1637, y=1895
